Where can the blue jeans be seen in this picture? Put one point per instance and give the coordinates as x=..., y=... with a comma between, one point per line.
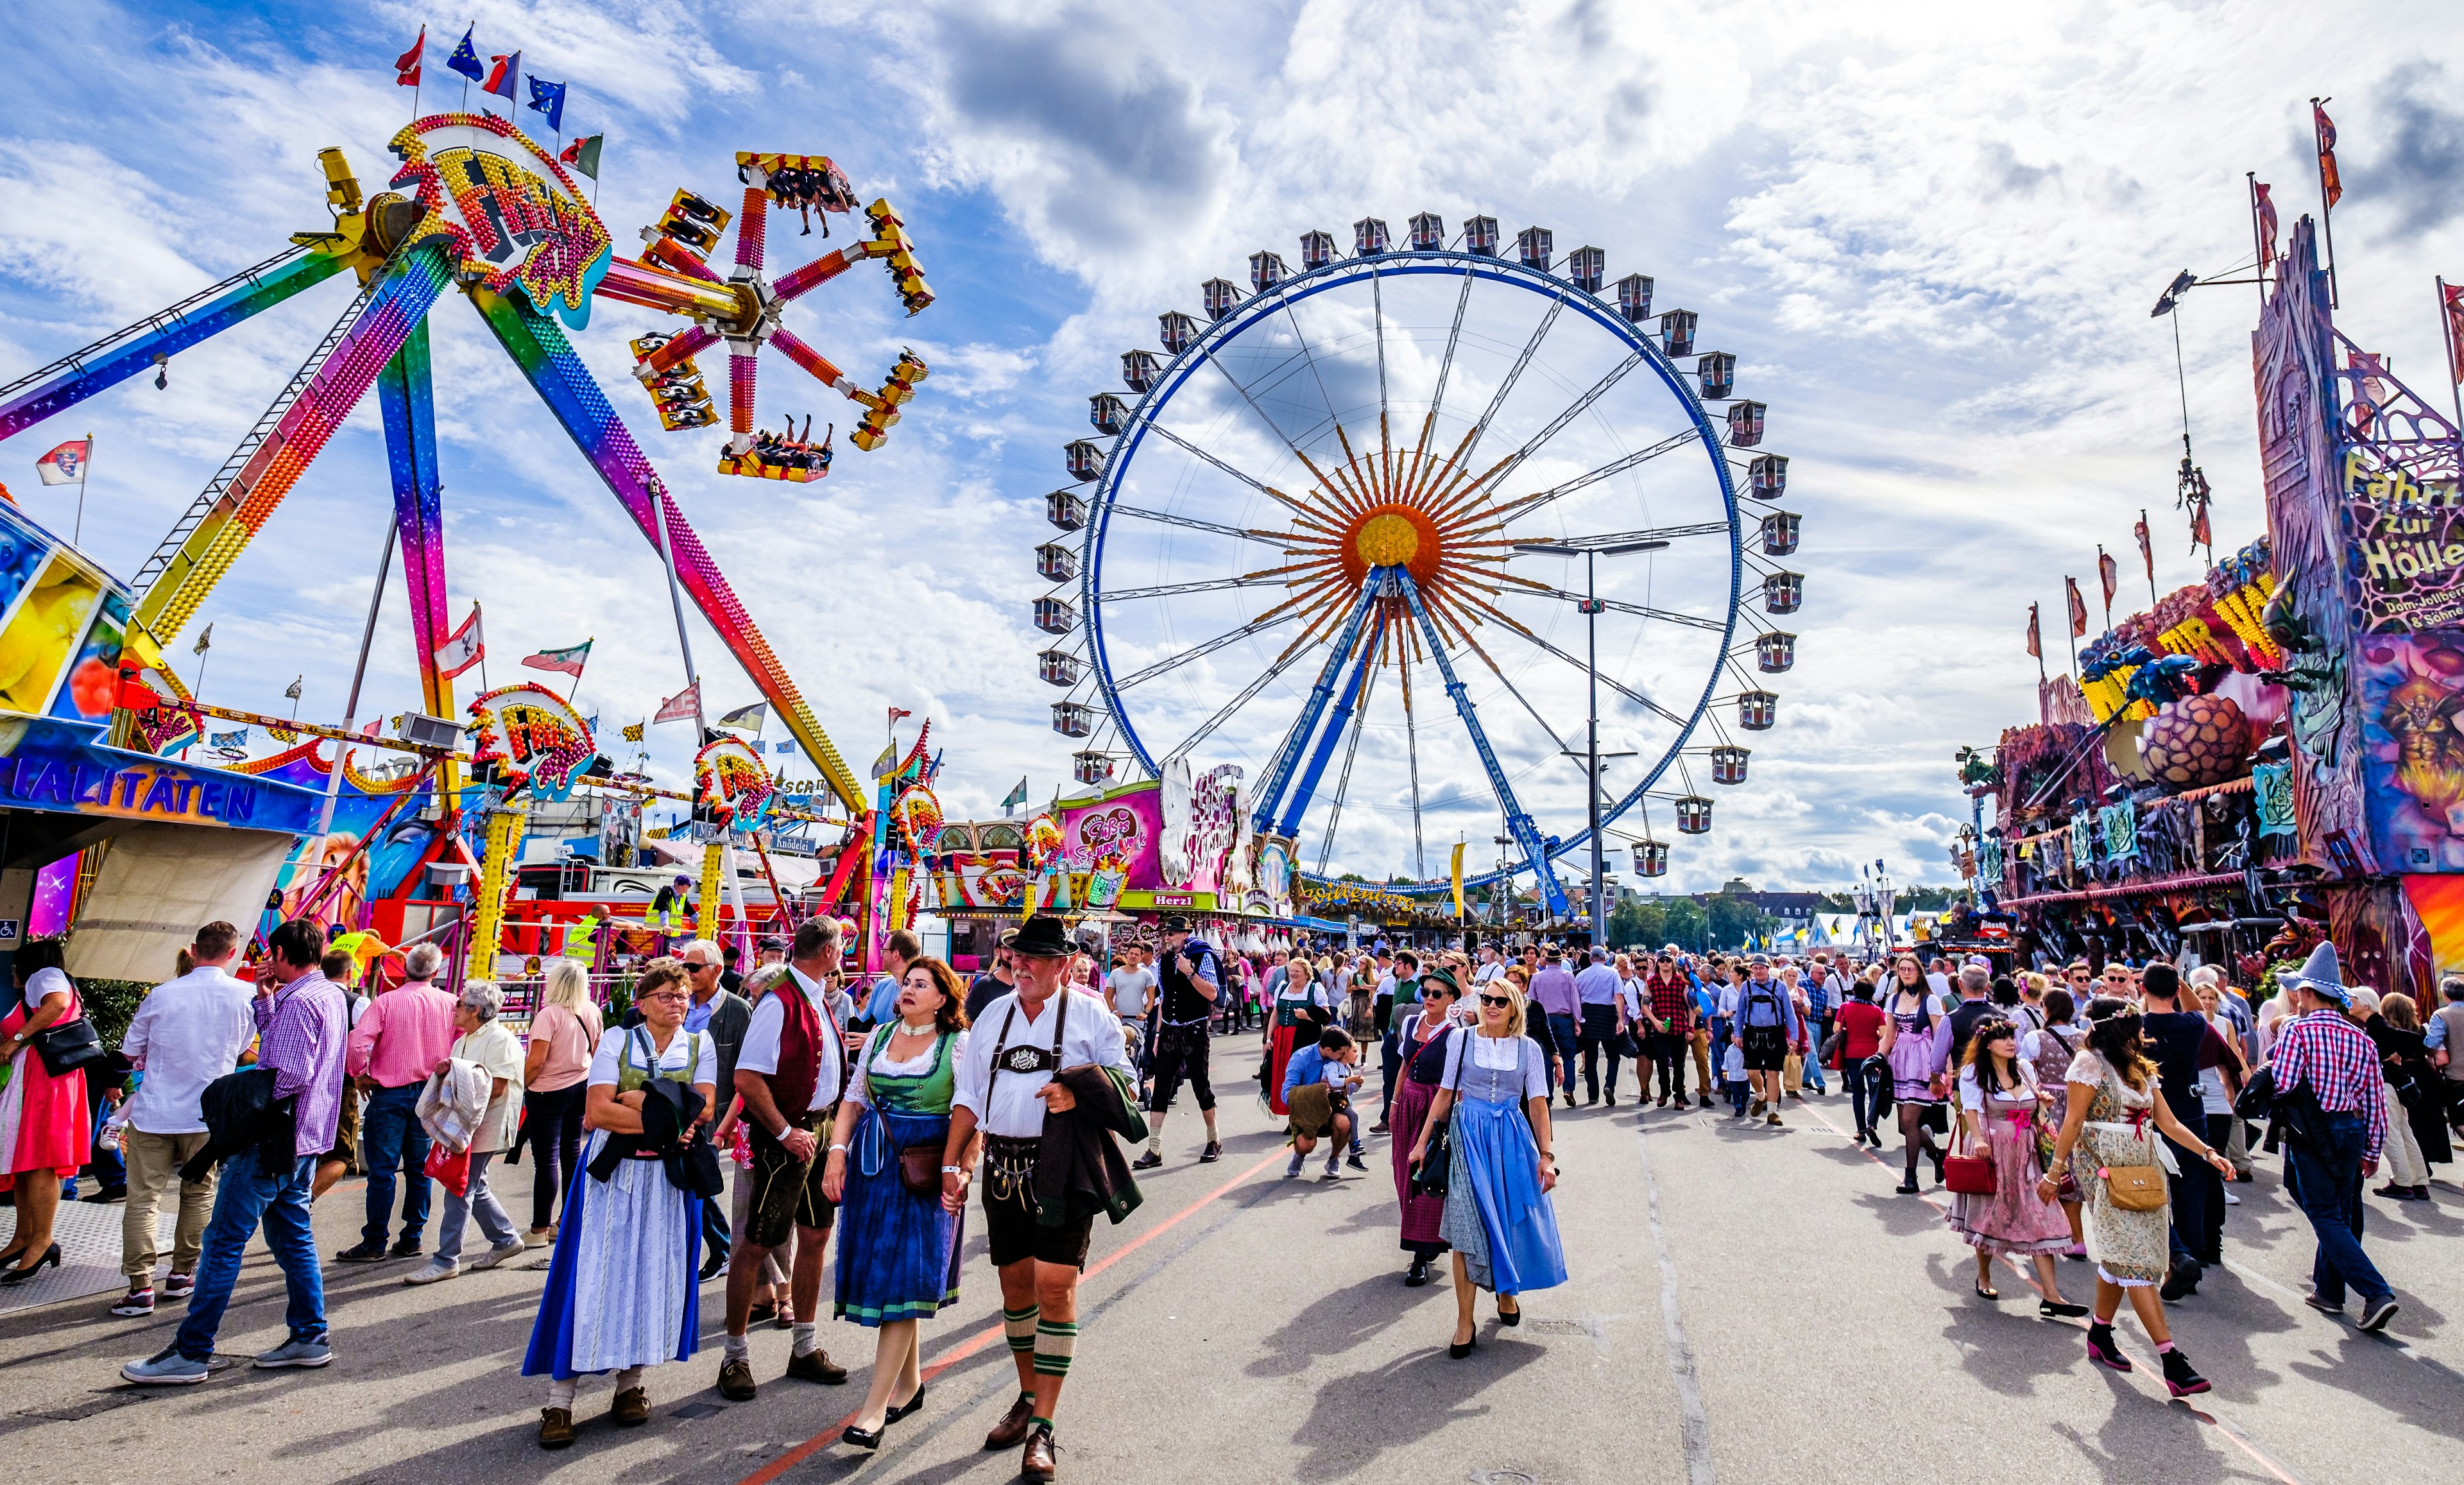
x=1869, y=1090
x=2328, y=1185
x=1562, y=1031
x=393, y=1138
x=246, y=1196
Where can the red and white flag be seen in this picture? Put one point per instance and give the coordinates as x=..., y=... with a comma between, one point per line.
x=684, y=706
x=2267, y=227
x=462, y=649
x=406, y=67
x=66, y=464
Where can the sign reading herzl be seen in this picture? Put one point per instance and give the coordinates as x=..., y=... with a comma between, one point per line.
x=2404, y=545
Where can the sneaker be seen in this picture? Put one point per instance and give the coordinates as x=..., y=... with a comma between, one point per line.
x=179, y=1286
x=433, y=1270
x=502, y=1252
x=296, y=1353
x=2378, y=1313
x=2232, y=1200
x=2313, y=1301
x=1358, y=1165
x=1380, y=1128
x=1213, y=1152
x=1292, y=1170
x=1147, y=1162
x=165, y=1368
x=135, y=1302
x=2179, y=1285
x=407, y=1246
x=1331, y=1174
x=362, y=1253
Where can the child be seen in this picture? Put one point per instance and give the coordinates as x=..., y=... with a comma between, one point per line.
x=1317, y=1087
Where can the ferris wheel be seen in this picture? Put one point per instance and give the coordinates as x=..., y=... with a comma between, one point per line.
x=1371, y=530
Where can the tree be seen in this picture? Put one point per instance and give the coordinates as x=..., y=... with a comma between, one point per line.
x=1638, y=921
x=1683, y=924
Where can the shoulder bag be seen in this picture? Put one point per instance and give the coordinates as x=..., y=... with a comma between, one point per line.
x=1430, y=1177
x=2135, y=1187
x=1971, y=1174
x=70, y=1043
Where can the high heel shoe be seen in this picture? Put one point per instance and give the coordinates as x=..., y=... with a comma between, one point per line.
x=1459, y=1350
x=861, y=1438
x=24, y=1270
x=1513, y=1317
x=902, y=1409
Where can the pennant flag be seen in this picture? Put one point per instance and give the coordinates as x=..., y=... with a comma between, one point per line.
x=2452, y=295
x=896, y=712
x=237, y=739
x=548, y=97
x=2036, y=636
x=582, y=154
x=752, y=719
x=684, y=706
x=466, y=59
x=2109, y=572
x=502, y=72
x=462, y=649
x=406, y=67
x=1015, y=797
x=292, y=690
x=66, y=464
x=2078, y=607
x=2331, y=183
x=2266, y=229
x=633, y=732
x=205, y=641
x=568, y=661
x=2146, y=550
x=2200, y=535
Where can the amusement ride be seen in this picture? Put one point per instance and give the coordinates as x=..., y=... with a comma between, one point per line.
x=1426, y=466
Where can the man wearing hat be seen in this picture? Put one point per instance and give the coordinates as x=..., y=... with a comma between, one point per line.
x=1192, y=979
x=1006, y=1085
x=2322, y=1050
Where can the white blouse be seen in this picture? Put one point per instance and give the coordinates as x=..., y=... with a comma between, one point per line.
x=883, y=1063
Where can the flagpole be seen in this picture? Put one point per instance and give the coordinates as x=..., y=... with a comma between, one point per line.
x=659, y=498
x=2147, y=551
x=2102, y=587
x=2257, y=244
x=86, y=471
x=359, y=672
x=2326, y=211
x=483, y=645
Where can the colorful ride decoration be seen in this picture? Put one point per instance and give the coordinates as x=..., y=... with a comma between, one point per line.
x=479, y=186
x=2217, y=622
x=743, y=310
x=534, y=736
x=2195, y=742
x=732, y=783
x=918, y=813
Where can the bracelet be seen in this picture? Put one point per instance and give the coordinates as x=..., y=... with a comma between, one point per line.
x=953, y=1170
x=838, y=1149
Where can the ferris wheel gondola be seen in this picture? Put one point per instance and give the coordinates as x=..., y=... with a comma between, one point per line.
x=1343, y=489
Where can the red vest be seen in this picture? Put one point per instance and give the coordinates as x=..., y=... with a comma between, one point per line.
x=799, y=1048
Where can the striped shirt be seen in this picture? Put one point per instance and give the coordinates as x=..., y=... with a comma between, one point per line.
x=2341, y=1065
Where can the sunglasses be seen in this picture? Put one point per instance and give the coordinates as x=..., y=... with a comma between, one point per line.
x=1497, y=1000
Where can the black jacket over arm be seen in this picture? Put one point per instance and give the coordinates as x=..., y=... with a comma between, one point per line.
x=1079, y=1168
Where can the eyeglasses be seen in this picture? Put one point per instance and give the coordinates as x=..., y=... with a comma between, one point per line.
x=667, y=995
x=1497, y=1000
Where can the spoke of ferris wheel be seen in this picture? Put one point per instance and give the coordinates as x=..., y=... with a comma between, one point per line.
x=1350, y=751
x=1529, y=503
x=1310, y=358
x=1385, y=441
x=1639, y=611
x=1412, y=752
x=1246, y=695
x=1176, y=662
x=1503, y=467
x=1610, y=681
x=1167, y=518
x=1438, y=397
x=1251, y=480
x=1458, y=461
x=1274, y=427
x=1262, y=578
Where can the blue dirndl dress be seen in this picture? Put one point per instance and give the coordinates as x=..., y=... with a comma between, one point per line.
x=898, y=1253
x=1496, y=1215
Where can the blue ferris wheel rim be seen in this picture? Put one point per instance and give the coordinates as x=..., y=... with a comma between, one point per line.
x=1216, y=335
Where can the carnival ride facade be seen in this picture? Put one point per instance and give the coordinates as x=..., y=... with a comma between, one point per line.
x=476, y=205
x=1335, y=475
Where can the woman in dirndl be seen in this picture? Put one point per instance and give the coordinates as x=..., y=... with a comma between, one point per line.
x=899, y=1252
x=621, y=1292
x=1492, y=1100
x=1298, y=1013
x=1912, y=1045
x=1999, y=1105
x=2049, y=1049
x=1422, y=1042
x=2116, y=1113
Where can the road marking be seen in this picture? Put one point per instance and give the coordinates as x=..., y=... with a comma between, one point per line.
x=1694, y=1423
x=2240, y=1440
x=991, y=1333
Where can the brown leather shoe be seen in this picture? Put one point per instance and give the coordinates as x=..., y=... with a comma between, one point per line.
x=631, y=1409
x=555, y=1427
x=816, y=1365
x=1012, y=1429
x=1037, y=1462
x=736, y=1381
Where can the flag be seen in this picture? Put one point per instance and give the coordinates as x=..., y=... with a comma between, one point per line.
x=237, y=739
x=2078, y=607
x=548, y=97
x=896, y=713
x=2109, y=572
x=406, y=67
x=2452, y=297
x=2200, y=535
x=292, y=690
x=633, y=732
x=2036, y=636
x=684, y=706
x=785, y=746
x=205, y=641
x=462, y=649
x=502, y=72
x=2266, y=229
x=888, y=763
x=752, y=719
x=2331, y=184
x=466, y=59
x=1015, y=797
x=1457, y=880
x=66, y=464
x=568, y=661
x=2146, y=550
x=582, y=154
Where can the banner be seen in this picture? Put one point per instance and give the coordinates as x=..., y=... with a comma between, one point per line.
x=1459, y=845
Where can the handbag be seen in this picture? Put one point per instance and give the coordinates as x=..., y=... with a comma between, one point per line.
x=1436, y=1162
x=919, y=1169
x=1967, y=1175
x=2134, y=1188
x=66, y=1045
x=451, y=1168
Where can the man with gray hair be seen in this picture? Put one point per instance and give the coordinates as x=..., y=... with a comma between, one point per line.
x=1975, y=1005
x=401, y=1038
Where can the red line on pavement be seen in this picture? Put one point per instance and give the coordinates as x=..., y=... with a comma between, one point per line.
x=985, y=1336
x=2239, y=1440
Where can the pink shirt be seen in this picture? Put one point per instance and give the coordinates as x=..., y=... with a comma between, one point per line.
x=402, y=1036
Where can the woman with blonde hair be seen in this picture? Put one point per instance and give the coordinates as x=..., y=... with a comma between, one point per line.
x=1492, y=1105
x=563, y=1036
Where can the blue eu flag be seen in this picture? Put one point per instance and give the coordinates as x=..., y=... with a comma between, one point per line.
x=466, y=61
x=548, y=97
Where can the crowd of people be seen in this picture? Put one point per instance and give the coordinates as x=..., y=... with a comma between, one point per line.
x=2091, y=1115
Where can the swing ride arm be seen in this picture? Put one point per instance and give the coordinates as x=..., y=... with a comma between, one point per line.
x=407, y=403
x=539, y=348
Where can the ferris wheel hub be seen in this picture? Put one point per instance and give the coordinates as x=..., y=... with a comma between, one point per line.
x=1387, y=540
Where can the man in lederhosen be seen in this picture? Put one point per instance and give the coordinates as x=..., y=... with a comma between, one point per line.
x=1006, y=1085
x=1192, y=981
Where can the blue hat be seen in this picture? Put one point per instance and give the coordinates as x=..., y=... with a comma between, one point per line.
x=2321, y=975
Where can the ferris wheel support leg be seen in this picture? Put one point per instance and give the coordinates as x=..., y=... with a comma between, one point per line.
x=1519, y=823
x=539, y=348
x=406, y=403
x=1287, y=757
x=1335, y=728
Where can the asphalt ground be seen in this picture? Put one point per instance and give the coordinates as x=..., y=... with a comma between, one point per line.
x=1746, y=1303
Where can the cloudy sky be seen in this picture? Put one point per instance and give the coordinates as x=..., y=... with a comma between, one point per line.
x=1929, y=233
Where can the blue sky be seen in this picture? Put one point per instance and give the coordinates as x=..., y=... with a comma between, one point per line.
x=1929, y=236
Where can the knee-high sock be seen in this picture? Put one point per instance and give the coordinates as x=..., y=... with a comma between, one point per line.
x=1155, y=1130
x=1055, y=1341
x=1019, y=1326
